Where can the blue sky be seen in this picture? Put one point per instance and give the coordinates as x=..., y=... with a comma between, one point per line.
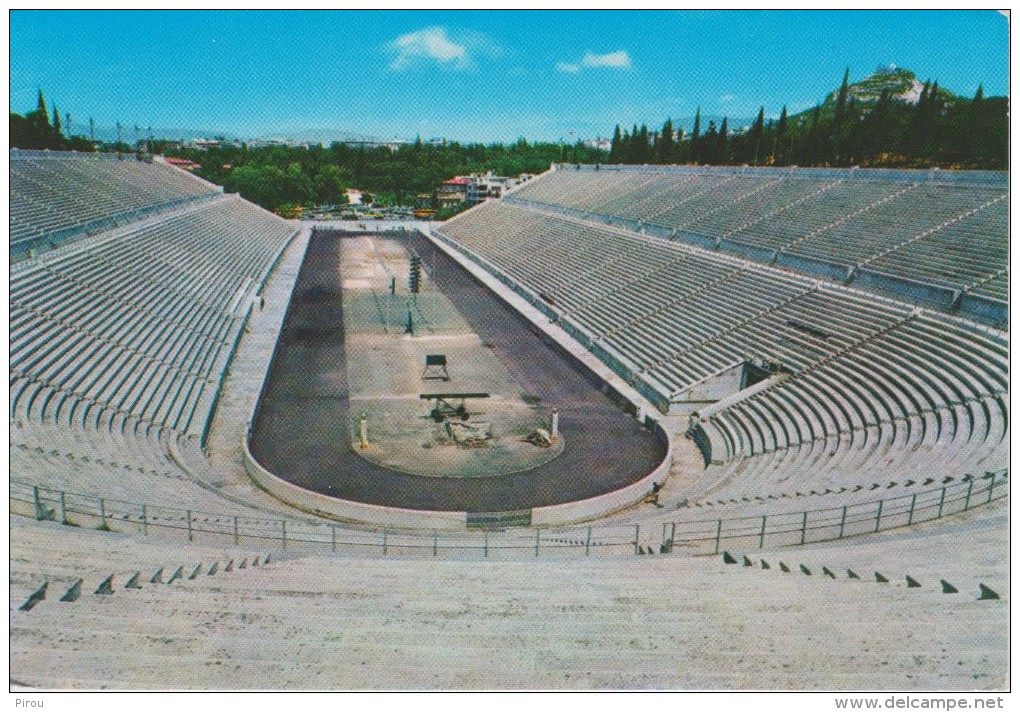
x=476, y=76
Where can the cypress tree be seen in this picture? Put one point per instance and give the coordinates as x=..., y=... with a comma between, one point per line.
x=616, y=148
x=756, y=133
x=722, y=155
x=665, y=144
x=711, y=145
x=643, y=148
x=813, y=150
x=777, y=145
x=41, y=108
x=844, y=90
x=696, y=138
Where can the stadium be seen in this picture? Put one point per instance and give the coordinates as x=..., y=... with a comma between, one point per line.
x=719, y=410
x=627, y=427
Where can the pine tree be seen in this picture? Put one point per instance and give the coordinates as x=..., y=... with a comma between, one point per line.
x=710, y=145
x=696, y=138
x=664, y=147
x=643, y=148
x=56, y=121
x=722, y=152
x=777, y=145
x=841, y=98
x=975, y=135
x=41, y=108
x=616, y=147
x=756, y=133
x=814, y=150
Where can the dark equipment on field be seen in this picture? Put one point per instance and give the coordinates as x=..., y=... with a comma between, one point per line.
x=435, y=368
x=444, y=409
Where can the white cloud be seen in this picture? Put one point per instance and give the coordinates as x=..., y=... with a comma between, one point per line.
x=428, y=43
x=616, y=60
x=611, y=60
x=726, y=98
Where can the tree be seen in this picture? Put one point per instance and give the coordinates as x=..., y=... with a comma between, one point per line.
x=329, y=185
x=664, y=146
x=710, y=145
x=643, y=150
x=777, y=144
x=756, y=134
x=615, y=146
x=695, y=137
x=722, y=151
x=841, y=99
x=813, y=149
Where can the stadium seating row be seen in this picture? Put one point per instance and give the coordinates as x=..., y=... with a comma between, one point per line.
x=54, y=193
x=952, y=236
x=136, y=331
x=867, y=383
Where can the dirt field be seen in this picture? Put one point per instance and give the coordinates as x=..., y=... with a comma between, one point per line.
x=306, y=419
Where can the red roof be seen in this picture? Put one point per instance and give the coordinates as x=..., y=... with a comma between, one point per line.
x=458, y=181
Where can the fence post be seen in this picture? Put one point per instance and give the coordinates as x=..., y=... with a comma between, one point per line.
x=332, y=529
x=189, y=525
x=283, y=532
x=913, y=501
x=761, y=536
x=145, y=521
x=435, y=542
x=237, y=537
x=637, y=535
x=942, y=500
x=538, y=534
x=663, y=535
x=672, y=535
x=587, y=543
x=384, y=541
x=486, y=546
x=63, y=509
x=803, y=528
x=970, y=488
x=991, y=489
x=718, y=535
x=102, y=512
x=878, y=517
x=842, y=523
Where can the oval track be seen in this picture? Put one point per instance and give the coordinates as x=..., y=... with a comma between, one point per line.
x=300, y=430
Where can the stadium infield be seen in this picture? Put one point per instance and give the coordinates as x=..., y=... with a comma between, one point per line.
x=305, y=420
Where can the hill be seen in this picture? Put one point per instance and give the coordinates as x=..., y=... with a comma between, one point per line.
x=901, y=85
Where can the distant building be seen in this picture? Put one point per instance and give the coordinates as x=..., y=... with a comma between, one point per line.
x=474, y=189
x=392, y=145
x=453, y=192
x=491, y=186
x=184, y=163
x=202, y=144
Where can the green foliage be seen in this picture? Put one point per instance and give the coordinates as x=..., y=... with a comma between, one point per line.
x=866, y=123
x=447, y=213
x=34, y=131
x=273, y=176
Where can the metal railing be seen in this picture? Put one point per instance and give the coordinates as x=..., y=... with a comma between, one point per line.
x=692, y=537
